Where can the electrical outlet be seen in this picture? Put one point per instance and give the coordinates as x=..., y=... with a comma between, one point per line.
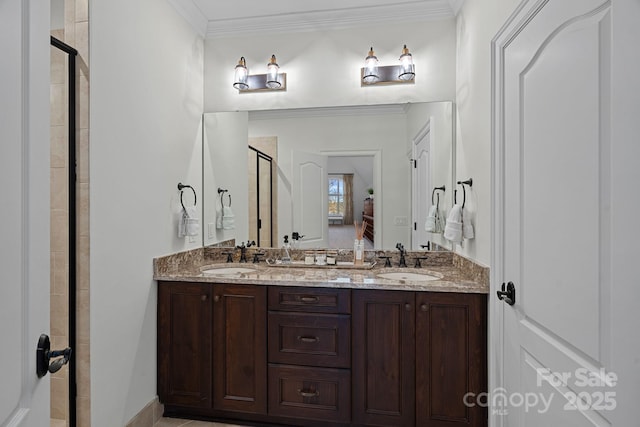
x=400, y=221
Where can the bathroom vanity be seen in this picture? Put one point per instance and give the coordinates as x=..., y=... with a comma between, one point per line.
x=319, y=347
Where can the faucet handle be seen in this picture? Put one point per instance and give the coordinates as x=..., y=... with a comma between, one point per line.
x=387, y=262
x=229, y=256
x=418, y=264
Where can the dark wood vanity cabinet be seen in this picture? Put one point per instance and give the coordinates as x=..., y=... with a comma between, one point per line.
x=383, y=358
x=310, y=353
x=416, y=355
x=451, y=358
x=184, y=344
x=239, y=348
x=211, y=347
x=321, y=356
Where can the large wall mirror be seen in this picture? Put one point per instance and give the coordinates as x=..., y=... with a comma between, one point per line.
x=271, y=173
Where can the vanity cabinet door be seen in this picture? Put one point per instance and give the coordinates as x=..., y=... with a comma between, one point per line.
x=184, y=344
x=383, y=357
x=240, y=348
x=450, y=358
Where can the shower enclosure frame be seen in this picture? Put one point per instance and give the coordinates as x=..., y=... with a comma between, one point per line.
x=71, y=180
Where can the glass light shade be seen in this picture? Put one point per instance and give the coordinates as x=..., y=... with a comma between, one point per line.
x=241, y=75
x=273, y=79
x=370, y=74
x=407, y=69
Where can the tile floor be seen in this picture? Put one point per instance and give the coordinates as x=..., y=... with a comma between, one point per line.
x=175, y=422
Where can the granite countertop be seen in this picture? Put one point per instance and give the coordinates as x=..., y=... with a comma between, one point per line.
x=451, y=277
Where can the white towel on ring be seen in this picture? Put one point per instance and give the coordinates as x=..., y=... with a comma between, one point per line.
x=453, y=229
x=228, y=218
x=467, y=227
x=189, y=223
x=431, y=222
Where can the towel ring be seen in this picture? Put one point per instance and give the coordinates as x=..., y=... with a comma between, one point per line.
x=442, y=188
x=181, y=186
x=221, y=192
x=468, y=182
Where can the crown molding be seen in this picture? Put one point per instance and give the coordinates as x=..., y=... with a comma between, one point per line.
x=456, y=5
x=331, y=19
x=348, y=110
x=192, y=14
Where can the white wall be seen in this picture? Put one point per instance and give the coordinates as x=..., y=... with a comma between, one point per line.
x=477, y=23
x=146, y=105
x=323, y=67
x=386, y=132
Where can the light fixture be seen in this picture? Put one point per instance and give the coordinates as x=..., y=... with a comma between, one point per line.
x=273, y=80
x=372, y=73
x=272, y=74
x=241, y=75
x=407, y=69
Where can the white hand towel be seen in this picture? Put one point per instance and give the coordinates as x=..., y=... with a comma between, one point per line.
x=467, y=227
x=431, y=222
x=439, y=221
x=189, y=224
x=228, y=218
x=453, y=229
x=218, y=218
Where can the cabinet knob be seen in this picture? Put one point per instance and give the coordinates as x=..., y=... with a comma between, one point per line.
x=216, y=298
x=203, y=297
x=424, y=307
x=407, y=307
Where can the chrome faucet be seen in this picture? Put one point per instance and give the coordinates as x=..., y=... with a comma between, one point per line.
x=402, y=262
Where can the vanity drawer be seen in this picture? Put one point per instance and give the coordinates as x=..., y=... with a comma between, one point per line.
x=312, y=393
x=310, y=339
x=316, y=300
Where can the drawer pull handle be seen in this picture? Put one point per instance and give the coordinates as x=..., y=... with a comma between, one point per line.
x=305, y=393
x=308, y=339
x=309, y=300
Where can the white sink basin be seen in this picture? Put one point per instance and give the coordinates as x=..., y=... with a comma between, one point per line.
x=228, y=271
x=413, y=277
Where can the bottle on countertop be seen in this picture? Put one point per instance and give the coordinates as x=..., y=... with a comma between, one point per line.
x=285, y=257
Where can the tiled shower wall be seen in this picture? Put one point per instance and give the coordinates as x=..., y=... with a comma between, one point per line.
x=59, y=230
x=75, y=34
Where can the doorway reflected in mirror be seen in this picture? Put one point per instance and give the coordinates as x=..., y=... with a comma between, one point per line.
x=342, y=236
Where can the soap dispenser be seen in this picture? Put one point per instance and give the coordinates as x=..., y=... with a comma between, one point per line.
x=285, y=257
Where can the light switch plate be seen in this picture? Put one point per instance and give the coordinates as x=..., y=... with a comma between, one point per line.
x=400, y=221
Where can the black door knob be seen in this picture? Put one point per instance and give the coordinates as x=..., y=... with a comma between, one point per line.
x=44, y=354
x=508, y=295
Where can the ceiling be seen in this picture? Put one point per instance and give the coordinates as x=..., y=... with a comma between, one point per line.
x=216, y=18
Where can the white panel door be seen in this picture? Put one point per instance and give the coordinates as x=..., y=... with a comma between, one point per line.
x=554, y=227
x=310, y=198
x=24, y=221
x=421, y=186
